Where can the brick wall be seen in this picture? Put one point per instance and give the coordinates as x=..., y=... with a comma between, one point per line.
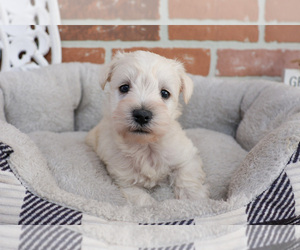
x=174, y=11
x=229, y=38
x=209, y=50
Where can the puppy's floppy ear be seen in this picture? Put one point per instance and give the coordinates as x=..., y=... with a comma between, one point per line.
x=108, y=72
x=187, y=85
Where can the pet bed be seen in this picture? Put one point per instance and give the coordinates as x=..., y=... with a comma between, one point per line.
x=247, y=133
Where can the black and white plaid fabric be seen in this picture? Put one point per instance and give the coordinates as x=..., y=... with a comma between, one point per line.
x=5, y=151
x=271, y=237
x=49, y=237
x=37, y=211
x=276, y=205
x=295, y=156
x=174, y=223
x=188, y=246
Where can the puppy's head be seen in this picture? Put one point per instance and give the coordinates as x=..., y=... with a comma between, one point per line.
x=143, y=94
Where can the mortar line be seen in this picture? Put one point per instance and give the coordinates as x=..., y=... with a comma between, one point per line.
x=261, y=35
x=213, y=62
x=164, y=34
x=261, y=12
x=170, y=22
x=182, y=44
x=164, y=12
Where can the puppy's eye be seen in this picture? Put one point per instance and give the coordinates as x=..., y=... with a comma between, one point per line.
x=165, y=94
x=124, y=88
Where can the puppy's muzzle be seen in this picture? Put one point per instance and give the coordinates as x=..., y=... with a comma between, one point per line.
x=142, y=116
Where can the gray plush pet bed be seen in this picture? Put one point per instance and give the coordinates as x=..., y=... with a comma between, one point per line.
x=247, y=133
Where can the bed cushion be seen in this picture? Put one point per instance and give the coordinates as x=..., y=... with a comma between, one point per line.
x=247, y=132
x=270, y=108
x=50, y=99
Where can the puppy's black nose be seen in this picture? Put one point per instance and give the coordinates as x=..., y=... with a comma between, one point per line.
x=142, y=116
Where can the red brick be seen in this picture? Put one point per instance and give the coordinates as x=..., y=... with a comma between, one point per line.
x=282, y=10
x=48, y=56
x=259, y=62
x=242, y=33
x=92, y=55
x=109, y=9
x=242, y=10
x=196, y=61
x=109, y=32
x=282, y=33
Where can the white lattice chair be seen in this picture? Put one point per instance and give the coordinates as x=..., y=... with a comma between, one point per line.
x=27, y=33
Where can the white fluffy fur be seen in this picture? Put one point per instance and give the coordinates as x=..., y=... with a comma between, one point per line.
x=137, y=161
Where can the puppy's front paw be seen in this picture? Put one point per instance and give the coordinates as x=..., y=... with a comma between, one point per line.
x=191, y=193
x=189, y=180
x=145, y=200
x=138, y=196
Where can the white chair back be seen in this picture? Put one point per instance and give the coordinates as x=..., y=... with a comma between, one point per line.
x=28, y=32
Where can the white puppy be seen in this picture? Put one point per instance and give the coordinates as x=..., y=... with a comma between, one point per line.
x=138, y=138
